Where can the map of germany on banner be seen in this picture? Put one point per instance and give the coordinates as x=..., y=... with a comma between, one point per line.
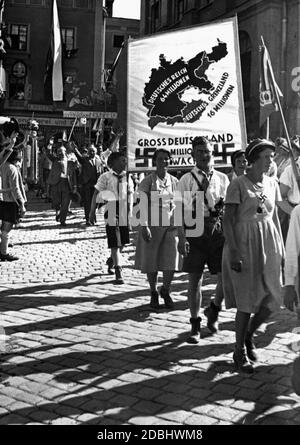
x=183, y=84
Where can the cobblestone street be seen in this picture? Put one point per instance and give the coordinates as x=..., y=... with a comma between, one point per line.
x=77, y=349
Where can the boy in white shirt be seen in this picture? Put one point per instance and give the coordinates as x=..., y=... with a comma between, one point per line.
x=117, y=191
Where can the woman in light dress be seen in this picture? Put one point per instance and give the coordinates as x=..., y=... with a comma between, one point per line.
x=253, y=250
x=157, y=239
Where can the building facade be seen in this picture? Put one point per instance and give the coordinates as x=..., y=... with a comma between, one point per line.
x=276, y=20
x=118, y=31
x=27, y=30
x=91, y=40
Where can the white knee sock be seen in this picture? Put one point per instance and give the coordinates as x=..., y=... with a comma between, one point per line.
x=4, y=243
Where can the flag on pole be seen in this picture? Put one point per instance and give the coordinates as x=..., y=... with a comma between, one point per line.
x=267, y=97
x=98, y=125
x=113, y=67
x=57, y=76
x=115, y=143
x=2, y=80
x=95, y=126
x=53, y=79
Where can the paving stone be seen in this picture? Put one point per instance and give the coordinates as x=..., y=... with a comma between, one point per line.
x=148, y=407
x=42, y=415
x=197, y=419
x=63, y=421
x=87, y=351
x=225, y=413
x=172, y=399
x=89, y=418
x=145, y=420
x=13, y=419
x=179, y=416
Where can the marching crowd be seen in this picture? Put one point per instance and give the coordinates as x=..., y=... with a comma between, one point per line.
x=244, y=226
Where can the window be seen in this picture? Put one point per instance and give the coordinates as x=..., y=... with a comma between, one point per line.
x=36, y=2
x=155, y=16
x=68, y=38
x=16, y=88
x=109, y=7
x=118, y=41
x=66, y=3
x=245, y=51
x=81, y=4
x=17, y=37
x=179, y=10
x=17, y=81
x=204, y=3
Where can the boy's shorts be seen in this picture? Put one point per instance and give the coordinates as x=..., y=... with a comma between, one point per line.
x=205, y=249
x=117, y=236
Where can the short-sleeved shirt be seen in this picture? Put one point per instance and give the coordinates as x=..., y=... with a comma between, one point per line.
x=115, y=187
x=288, y=178
x=250, y=197
x=162, y=201
x=217, y=188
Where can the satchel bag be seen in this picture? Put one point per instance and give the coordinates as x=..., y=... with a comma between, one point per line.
x=9, y=212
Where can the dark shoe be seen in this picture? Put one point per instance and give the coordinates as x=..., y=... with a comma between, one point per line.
x=57, y=216
x=118, y=272
x=8, y=257
x=154, y=303
x=63, y=224
x=166, y=296
x=212, y=313
x=69, y=213
x=250, y=349
x=241, y=361
x=110, y=265
x=10, y=245
x=194, y=337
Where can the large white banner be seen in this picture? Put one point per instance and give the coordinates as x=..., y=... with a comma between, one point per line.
x=183, y=84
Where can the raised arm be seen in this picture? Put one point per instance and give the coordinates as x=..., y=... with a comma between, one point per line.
x=14, y=187
x=49, y=154
x=77, y=153
x=4, y=155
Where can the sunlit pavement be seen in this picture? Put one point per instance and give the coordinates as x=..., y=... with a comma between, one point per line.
x=78, y=349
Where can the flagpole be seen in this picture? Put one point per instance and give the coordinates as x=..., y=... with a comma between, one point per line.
x=268, y=128
x=73, y=126
x=2, y=71
x=293, y=162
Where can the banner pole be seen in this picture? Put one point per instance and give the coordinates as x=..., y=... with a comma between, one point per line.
x=293, y=162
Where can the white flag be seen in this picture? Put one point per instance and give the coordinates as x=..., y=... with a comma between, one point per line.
x=57, y=75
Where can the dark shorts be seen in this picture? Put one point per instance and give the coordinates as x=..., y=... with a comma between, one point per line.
x=205, y=249
x=117, y=236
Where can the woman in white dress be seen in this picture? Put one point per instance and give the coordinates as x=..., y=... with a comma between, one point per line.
x=253, y=250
